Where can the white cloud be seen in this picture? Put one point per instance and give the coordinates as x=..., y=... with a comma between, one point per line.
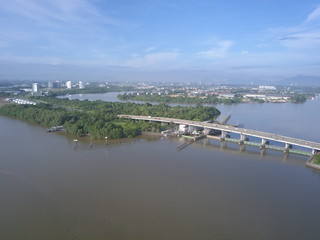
x=244, y=52
x=134, y=55
x=55, y=13
x=154, y=60
x=150, y=49
x=31, y=60
x=219, y=51
x=314, y=15
x=66, y=29
x=305, y=35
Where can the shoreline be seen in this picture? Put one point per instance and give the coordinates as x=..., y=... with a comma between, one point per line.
x=310, y=163
x=151, y=134
x=213, y=104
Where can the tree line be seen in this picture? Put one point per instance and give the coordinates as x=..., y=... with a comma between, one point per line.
x=212, y=99
x=179, y=99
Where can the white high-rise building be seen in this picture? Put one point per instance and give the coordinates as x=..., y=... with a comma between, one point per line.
x=267, y=88
x=34, y=87
x=81, y=85
x=68, y=84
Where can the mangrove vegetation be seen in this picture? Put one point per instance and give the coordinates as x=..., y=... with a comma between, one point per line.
x=180, y=99
x=98, y=119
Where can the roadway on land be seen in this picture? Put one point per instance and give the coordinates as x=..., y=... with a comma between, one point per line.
x=229, y=128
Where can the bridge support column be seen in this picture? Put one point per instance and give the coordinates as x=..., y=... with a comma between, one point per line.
x=287, y=147
x=242, y=148
x=264, y=142
x=242, y=138
x=314, y=151
x=206, y=131
x=223, y=135
x=263, y=151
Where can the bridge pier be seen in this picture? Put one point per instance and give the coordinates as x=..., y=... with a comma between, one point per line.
x=287, y=147
x=223, y=135
x=242, y=138
x=216, y=127
x=206, y=131
x=242, y=148
x=263, y=151
x=264, y=142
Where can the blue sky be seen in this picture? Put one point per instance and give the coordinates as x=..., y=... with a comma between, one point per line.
x=159, y=40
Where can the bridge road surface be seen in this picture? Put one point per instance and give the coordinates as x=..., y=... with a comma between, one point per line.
x=227, y=128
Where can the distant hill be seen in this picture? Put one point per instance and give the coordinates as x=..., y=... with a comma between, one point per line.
x=301, y=80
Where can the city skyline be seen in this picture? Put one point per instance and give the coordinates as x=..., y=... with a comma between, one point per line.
x=159, y=40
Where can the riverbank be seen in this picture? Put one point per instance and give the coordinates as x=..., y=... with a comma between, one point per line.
x=246, y=98
x=151, y=134
x=312, y=161
x=99, y=119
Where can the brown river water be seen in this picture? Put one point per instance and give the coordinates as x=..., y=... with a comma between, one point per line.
x=143, y=188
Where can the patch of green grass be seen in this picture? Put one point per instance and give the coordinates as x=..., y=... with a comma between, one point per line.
x=317, y=159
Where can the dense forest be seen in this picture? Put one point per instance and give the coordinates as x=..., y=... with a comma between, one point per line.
x=298, y=98
x=179, y=99
x=99, y=119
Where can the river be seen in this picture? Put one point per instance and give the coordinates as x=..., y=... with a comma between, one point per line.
x=143, y=188
x=295, y=120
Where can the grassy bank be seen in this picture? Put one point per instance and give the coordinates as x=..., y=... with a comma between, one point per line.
x=317, y=159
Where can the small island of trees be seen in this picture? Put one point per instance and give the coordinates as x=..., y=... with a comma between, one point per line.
x=98, y=119
x=179, y=99
x=210, y=99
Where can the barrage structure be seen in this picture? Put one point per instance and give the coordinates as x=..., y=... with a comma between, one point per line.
x=243, y=133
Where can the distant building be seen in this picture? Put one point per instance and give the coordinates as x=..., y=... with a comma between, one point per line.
x=34, y=87
x=81, y=85
x=20, y=101
x=56, y=84
x=268, y=97
x=278, y=97
x=255, y=96
x=267, y=88
x=68, y=85
x=226, y=96
x=27, y=89
x=183, y=128
x=50, y=84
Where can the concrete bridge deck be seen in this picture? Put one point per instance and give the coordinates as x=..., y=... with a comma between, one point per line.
x=314, y=146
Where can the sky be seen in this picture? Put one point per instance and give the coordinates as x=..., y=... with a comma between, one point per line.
x=159, y=40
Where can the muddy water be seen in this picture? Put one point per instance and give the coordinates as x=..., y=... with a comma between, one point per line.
x=144, y=188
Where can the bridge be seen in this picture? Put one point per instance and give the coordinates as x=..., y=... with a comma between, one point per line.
x=243, y=132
